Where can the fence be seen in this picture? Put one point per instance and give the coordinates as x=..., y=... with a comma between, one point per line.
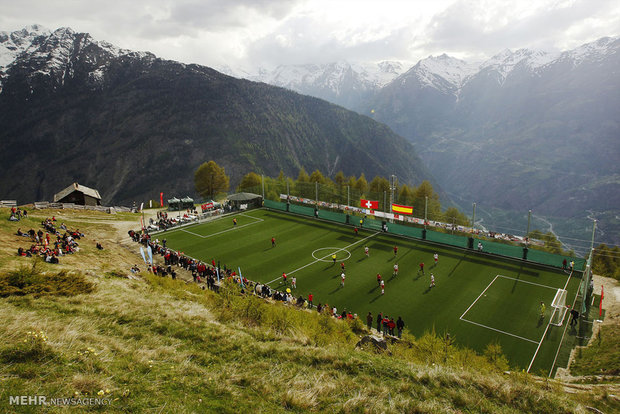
x=39, y=205
x=456, y=240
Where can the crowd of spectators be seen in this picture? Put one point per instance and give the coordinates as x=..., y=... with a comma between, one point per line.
x=211, y=275
x=17, y=214
x=51, y=244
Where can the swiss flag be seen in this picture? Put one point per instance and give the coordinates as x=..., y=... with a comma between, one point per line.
x=369, y=204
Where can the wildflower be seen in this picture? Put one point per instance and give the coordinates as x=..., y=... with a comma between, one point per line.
x=101, y=392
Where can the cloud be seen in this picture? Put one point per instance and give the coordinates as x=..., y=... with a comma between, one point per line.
x=252, y=33
x=490, y=27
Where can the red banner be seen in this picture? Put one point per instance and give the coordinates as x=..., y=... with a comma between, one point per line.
x=161, y=199
x=206, y=206
x=369, y=204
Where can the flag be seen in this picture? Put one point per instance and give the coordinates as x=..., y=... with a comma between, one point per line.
x=369, y=204
x=240, y=277
x=161, y=199
x=150, y=251
x=396, y=208
x=142, y=253
x=600, y=304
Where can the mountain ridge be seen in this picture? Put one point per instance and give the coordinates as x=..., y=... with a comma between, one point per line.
x=130, y=124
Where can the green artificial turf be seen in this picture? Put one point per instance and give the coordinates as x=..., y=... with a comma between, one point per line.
x=478, y=298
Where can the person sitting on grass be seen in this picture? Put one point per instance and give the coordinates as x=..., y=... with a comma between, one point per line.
x=99, y=246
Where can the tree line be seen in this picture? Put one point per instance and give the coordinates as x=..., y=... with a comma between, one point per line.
x=211, y=179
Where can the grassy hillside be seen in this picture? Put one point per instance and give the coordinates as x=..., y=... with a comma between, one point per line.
x=154, y=344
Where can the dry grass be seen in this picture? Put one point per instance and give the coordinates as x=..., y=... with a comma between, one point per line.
x=163, y=346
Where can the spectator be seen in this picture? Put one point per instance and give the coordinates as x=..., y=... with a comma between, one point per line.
x=400, y=325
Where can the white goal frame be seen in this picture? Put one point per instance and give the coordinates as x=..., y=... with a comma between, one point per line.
x=559, y=307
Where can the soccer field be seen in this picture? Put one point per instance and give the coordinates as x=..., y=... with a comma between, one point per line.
x=477, y=298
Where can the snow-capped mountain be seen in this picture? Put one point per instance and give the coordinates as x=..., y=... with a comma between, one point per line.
x=75, y=109
x=340, y=82
x=523, y=129
x=350, y=84
x=40, y=52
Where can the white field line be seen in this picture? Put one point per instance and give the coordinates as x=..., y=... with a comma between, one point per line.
x=500, y=331
x=546, y=329
x=224, y=231
x=531, y=283
x=479, y=296
x=563, y=332
x=324, y=257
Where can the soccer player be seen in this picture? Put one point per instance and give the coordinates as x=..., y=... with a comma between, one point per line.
x=382, y=287
x=310, y=297
x=294, y=282
x=395, y=269
x=432, y=281
x=342, y=277
x=284, y=278
x=234, y=222
x=366, y=251
x=334, y=258
x=421, y=267
x=395, y=250
x=378, y=279
x=273, y=242
x=479, y=246
x=342, y=266
x=542, y=310
x=436, y=258
x=355, y=230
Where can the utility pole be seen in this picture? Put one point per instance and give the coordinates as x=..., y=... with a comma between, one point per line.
x=527, y=234
x=473, y=218
x=425, y=210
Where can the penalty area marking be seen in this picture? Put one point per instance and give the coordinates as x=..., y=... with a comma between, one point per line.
x=334, y=251
x=489, y=327
x=258, y=220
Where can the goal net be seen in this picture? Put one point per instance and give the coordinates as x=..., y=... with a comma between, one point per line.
x=559, y=307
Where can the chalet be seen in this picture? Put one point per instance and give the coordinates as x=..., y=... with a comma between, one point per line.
x=78, y=194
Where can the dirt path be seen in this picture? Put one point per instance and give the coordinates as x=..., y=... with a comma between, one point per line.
x=611, y=304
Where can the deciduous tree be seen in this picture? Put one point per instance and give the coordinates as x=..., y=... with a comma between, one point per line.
x=210, y=179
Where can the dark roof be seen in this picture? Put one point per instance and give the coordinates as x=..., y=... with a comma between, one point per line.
x=243, y=197
x=76, y=187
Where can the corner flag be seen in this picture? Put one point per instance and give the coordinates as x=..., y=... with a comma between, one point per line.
x=600, y=304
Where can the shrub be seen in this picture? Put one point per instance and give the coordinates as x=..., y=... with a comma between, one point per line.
x=29, y=280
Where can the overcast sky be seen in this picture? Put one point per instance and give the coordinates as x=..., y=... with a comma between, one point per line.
x=251, y=33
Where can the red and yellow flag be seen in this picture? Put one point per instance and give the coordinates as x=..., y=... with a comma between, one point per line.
x=397, y=208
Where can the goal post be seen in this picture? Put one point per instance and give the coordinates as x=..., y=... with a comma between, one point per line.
x=559, y=307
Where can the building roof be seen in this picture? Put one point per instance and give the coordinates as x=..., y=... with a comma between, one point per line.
x=91, y=192
x=243, y=197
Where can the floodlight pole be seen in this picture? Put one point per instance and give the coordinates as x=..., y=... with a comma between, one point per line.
x=592, y=243
x=288, y=192
x=473, y=218
x=348, y=196
x=527, y=234
x=316, y=193
x=425, y=210
x=384, y=200
x=262, y=180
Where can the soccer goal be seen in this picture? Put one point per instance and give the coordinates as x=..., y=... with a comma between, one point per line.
x=559, y=307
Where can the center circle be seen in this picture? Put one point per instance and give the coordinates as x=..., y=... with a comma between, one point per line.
x=334, y=250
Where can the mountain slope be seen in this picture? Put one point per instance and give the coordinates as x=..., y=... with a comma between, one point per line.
x=131, y=125
x=525, y=130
